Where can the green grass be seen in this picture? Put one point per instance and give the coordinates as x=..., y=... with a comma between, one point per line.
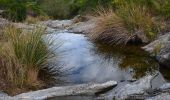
x=137, y=18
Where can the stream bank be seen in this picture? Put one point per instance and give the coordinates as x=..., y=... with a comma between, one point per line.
x=137, y=74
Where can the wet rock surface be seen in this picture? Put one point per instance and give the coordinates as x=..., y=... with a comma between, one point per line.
x=160, y=48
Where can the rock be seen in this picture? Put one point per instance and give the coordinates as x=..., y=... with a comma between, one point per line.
x=4, y=96
x=164, y=86
x=82, y=27
x=139, y=87
x=59, y=24
x=128, y=90
x=160, y=48
x=83, y=89
x=79, y=18
x=142, y=36
x=3, y=22
x=164, y=55
x=162, y=96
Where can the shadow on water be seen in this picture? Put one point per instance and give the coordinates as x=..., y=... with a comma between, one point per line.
x=129, y=57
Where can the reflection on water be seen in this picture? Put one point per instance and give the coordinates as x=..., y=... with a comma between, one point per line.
x=96, y=62
x=166, y=74
x=129, y=57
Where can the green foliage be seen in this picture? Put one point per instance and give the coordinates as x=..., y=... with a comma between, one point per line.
x=56, y=8
x=157, y=7
x=78, y=6
x=137, y=18
x=16, y=10
x=164, y=9
x=69, y=8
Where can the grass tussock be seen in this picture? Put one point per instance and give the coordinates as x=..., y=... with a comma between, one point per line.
x=109, y=27
x=22, y=57
x=128, y=22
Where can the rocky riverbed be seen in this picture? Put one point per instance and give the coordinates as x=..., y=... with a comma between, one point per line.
x=91, y=81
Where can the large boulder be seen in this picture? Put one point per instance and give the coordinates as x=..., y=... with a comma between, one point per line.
x=160, y=48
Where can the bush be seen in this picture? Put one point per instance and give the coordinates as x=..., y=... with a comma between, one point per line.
x=56, y=8
x=155, y=7
x=16, y=10
x=22, y=57
x=137, y=18
x=61, y=9
x=164, y=9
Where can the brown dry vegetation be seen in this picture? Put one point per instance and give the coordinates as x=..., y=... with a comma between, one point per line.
x=129, y=22
x=22, y=57
x=109, y=27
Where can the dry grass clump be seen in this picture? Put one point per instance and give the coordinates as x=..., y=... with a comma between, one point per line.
x=22, y=57
x=109, y=27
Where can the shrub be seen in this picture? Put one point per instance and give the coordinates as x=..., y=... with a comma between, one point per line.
x=137, y=18
x=163, y=8
x=61, y=9
x=16, y=10
x=23, y=56
x=56, y=8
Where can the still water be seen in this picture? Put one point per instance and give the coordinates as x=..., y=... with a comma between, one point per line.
x=85, y=61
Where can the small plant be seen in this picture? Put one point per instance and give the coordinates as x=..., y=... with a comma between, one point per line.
x=23, y=56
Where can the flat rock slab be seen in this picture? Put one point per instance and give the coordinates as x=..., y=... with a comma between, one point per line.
x=82, y=89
